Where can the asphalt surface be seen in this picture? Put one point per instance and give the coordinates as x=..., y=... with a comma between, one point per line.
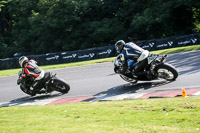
x=99, y=79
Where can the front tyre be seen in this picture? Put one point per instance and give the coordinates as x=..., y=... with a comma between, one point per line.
x=166, y=71
x=127, y=79
x=60, y=85
x=27, y=91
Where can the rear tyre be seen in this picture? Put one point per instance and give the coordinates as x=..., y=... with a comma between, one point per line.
x=61, y=86
x=166, y=71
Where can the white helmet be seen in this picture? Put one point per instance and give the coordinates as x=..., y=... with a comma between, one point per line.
x=23, y=60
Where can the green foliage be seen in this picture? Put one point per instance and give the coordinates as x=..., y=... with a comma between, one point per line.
x=2, y=4
x=43, y=26
x=196, y=17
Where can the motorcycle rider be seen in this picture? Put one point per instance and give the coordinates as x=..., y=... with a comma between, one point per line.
x=133, y=58
x=30, y=68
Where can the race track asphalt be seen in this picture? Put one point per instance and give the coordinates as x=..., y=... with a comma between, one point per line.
x=99, y=79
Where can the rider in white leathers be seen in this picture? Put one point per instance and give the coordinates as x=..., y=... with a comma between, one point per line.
x=133, y=57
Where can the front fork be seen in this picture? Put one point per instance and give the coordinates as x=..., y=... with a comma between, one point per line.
x=163, y=58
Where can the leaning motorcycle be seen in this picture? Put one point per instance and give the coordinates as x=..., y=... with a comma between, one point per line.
x=156, y=68
x=48, y=84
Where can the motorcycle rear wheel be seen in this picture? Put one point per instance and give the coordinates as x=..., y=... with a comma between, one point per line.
x=61, y=86
x=166, y=71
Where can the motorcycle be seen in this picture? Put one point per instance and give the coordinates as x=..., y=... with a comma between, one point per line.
x=48, y=84
x=156, y=68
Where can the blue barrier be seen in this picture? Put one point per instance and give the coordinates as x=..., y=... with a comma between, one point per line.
x=102, y=52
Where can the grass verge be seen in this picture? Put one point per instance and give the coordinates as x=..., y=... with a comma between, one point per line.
x=172, y=115
x=58, y=66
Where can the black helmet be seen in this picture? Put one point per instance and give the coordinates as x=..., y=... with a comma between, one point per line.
x=119, y=45
x=23, y=60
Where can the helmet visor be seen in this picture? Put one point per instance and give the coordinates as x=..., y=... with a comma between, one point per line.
x=117, y=49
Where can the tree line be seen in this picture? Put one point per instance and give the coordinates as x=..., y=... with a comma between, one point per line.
x=43, y=26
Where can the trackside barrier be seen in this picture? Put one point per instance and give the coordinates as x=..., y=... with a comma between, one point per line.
x=102, y=52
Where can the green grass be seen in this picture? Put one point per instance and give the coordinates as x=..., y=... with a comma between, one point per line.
x=178, y=49
x=167, y=115
x=58, y=66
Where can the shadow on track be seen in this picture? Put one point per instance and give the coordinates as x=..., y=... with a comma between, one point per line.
x=30, y=99
x=130, y=88
x=190, y=62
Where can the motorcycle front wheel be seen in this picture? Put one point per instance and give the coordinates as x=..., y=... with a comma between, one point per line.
x=166, y=71
x=60, y=85
x=27, y=91
x=127, y=79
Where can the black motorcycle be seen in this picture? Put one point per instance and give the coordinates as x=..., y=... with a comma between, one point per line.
x=156, y=68
x=48, y=84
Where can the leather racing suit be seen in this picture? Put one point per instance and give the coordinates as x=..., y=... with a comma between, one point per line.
x=32, y=69
x=134, y=58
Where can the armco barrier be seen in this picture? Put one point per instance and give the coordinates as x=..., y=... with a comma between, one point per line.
x=170, y=42
x=63, y=57
x=102, y=52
